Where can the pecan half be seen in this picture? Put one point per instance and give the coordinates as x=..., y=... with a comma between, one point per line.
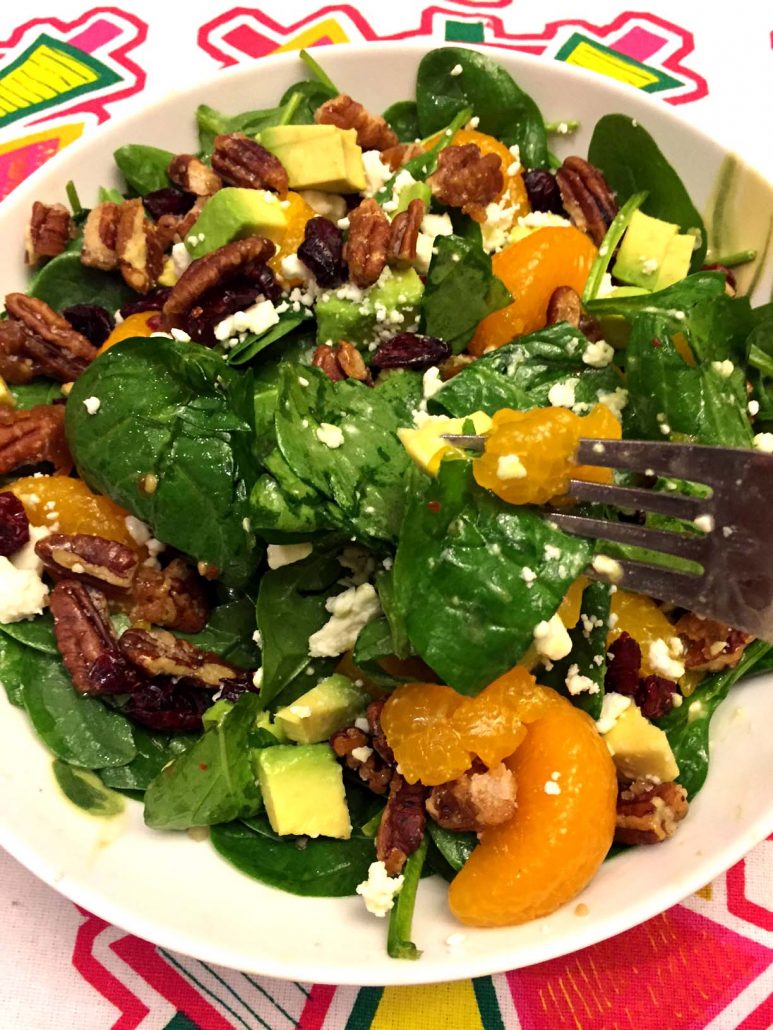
x=341, y=362
x=467, y=179
x=241, y=161
x=402, y=824
x=99, y=232
x=159, y=653
x=174, y=228
x=16, y=366
x=55, y=348
x=478, y=799
x=649, y=813
x=370, y=767
x=589, y=201
x=366, y=247
x=373, y=133
x=564, y=306
x=710, y=645
x=173, y=597
x=234, y=259
x=137, y=247
x=32, y=437
x=93, y=558
x=49, y=231
x=378, y=737
x=191, y=174
x=86, y=641
x=404, y=233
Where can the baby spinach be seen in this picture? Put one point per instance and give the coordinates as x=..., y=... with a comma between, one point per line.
x=504, y=109
x=64, y=281
x=39, y=391
x=403, y=119
x=154, y=751
x=399, y=943
x=35, y=633
x=252, y=345
x=374, y=643
x=179, y=413
x=229, y=633
x=760, y=346
x=213, y=781
x=86, y=790
x=305, y=97
x=317, y=867
x=472, y=577
x=461, y=290
x=455, y=848
x=633, y=163
x=143, y=167
x=213, y=123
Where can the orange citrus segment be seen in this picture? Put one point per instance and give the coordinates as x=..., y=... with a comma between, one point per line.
x=142, y=324
x=68, y=506
x=297, y=212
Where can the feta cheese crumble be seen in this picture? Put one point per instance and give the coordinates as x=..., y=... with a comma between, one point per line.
x=704, y=523
x=328, y=205
x=608, y=567
x=456, y=70
x=256, y=319
x=528, y=575
x=561, y=395
x=551, y=639
x=551, y=787
x=377, y=174
x=764, y=442
x=598, y=354
x=615, y=400
x=279, y=555
x=664, y=658
x=379, y=890
x=92, y=405
x=361, y=754
x=510, y=466
x=330, y=435
x=723, y=368
x=431, y=382
x=577, y=684
x=23, y=593
x=753, y=407
x=496, y=227
x=350, y=611
x=612, y=707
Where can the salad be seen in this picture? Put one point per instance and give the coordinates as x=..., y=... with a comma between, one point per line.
x=245, y=579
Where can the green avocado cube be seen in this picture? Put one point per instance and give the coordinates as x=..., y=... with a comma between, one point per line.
x=303, y=790
x=232, y=214
x=641, y=252
x=335, y=702
x=675, y=264
x=393, y=304
x=317, y=157
x=413, y=191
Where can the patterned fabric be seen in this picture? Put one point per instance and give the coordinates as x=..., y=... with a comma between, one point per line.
x=703, y=964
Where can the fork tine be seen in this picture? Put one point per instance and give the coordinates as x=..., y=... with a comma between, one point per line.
x=657, y=581
x=693, y=462
x=680, y=506
x=691, y=547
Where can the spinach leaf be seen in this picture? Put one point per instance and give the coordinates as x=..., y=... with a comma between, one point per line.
x=632, y=163
x=385, y=586
x=212, y=123
x=461, y=290
x=252, y=345
x=760, y=344
x=673, y=302
x=229, y=633
x=317, y=867
x=459, y=577
x=64, y=281
x=608, y=247
x=181, y=414
x=86, y=790
x=12, y=668
x=455, y=848
x=399, y=943
x=374, y=643
x=284, y=507
x=306, y=96
x=154, y=751
x=39, y=391
x=403, y=119
x=143, y=167
x=364, y=475
x=521, y=374
x=35, y=633
x=687, y=727
x=214, y=780
x=504, y=109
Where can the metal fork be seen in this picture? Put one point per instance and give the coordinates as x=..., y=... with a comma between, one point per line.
x=734, y=547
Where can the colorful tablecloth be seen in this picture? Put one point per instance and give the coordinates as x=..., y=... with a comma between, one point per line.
x=705, y=963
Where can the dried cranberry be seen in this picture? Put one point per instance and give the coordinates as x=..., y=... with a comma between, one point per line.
x=168, y=201
x=262, y=277
x=623, y=669
x=234, y=688
x=153, y=300
x=408, y=350
x=728, y=274
x=91, y=321
x=215, y=305
x=111, y=673
x=322, y=251
x=543, y=191
x=653, y=696
x=14, y=524
x=175, y=706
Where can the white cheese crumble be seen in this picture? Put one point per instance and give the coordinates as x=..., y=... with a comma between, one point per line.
x=598, y=354
x=608, y=567
x=753, y=407
x=612, y=707
x=257, y=679
x=361, y=754
x=255, y=319
x=551, y=639
x=664, y=658
x=379, y=890
x=431, y=382
x=330, y=435
x=552, y=552
x=496, y=226
x=510, y=466
x=350, y=611
x=455, y=940
x=22, y=592
x=649, y=265
x=456, y=70
x=181, y=258
x=279, y=555
x=92, y=405
x=138, y=530
x=615, y=400
x=362, y=724
x=764, y=442
x=561, y=395
x=541, y=220
x=551, y=787
x=431, y=227
x=705, y=523
x=328, y=205
x=377, y=174
x=528, y=575
x=723, y=368
x=577, y=684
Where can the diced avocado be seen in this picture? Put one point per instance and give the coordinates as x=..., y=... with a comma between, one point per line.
x=303, y=790
x=640, y=749
x=335, y=702
x=354, y=315
x=413, y=191
x=627, y=291
x=233, y=213
x=676, y=261
x=216, y=713
x=317, y=157
x=643, y=251
x=425, y=446
x=265, y=722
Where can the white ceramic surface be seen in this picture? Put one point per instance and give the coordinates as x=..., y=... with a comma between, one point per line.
x=176, y=891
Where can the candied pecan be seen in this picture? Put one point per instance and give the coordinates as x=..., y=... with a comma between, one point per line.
x=171, y=228
x=326, y=358
x=365, y=250
x=55, y=348
x=710, y=645
x=404, y=233
x=99, y=233
x=401, y=154
x=14, y=524
x=467, y=179
x=33, y=437
x=373, y=133
x=478, y=799
x=402, y=824
x=169, y=705
x=160, y=653
x=173, y=597
x=49, y=231
x=16, y=366
x=322, y=251
x=92, y=558
x=341, y=362
x=454, y=365
x=217, y=268
x=648, y=813
x=588, y=199
x=564, y=306
x=380, y=743
x=655, y=696
x=622, y=676
x=137, y=247
x=192, y=175
x=409, y=350
x=241, y=161
x=371, y=768
x=86, y=641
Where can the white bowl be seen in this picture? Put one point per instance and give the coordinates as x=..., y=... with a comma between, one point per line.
x=177, y=892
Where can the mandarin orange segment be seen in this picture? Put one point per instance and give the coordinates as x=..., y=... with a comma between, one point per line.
x=297, y=212
x=532, y=269
x=416, y=721
x=489, y=727
x=571, y=606
x=556, y=841
x=142, y=324
x=598, y=424
x=513, y=193
x=69, y=505
x=642, y=619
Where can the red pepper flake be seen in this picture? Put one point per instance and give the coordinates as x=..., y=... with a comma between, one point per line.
x=433, y=506
x=203, y=766
x=656, y=343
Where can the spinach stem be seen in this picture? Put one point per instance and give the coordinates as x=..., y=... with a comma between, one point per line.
x=317, y=71
x=740, y=257
x=73, y=198
x=554, y=161
x=290, y=108
x=424, y=164
x=399, y=943
x=562, y=128
x=609, y=243
x=370, y=828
